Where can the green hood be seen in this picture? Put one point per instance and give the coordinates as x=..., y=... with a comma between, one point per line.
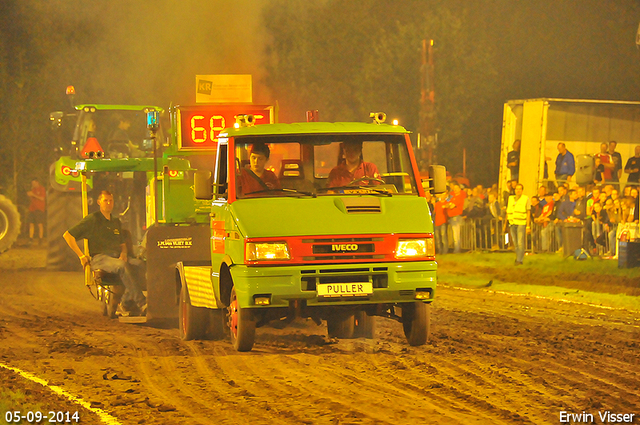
x=331, y=215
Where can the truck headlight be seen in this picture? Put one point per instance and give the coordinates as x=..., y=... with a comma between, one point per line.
x=267, y=251
x=409, y=248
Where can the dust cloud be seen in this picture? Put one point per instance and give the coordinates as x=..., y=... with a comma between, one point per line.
x=119, y=51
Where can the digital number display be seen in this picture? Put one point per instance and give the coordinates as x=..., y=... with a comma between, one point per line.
x=200, y=125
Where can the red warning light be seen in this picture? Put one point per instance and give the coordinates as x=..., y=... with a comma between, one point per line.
x=71, y=90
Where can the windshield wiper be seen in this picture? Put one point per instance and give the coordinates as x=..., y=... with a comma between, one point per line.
x=288, y=191
x=368, y=188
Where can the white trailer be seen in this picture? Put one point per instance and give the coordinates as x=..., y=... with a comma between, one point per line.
x=582, y=125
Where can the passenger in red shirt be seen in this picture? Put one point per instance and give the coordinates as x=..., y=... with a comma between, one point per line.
x=256, y=178
x=36, y=209
x=352, y=167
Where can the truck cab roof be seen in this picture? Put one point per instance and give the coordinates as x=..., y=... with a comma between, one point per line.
x=313, y=128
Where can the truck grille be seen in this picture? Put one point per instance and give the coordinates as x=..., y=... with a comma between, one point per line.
x=328, y=249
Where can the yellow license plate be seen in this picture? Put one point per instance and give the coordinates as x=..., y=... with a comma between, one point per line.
x=354, y=289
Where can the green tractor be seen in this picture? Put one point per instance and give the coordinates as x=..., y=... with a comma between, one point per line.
x=116, y=133
x=150, y=172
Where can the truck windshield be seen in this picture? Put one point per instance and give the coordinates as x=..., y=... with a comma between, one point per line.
x=323, y=165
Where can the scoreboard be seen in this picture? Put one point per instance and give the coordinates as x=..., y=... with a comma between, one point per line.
x=200, y=125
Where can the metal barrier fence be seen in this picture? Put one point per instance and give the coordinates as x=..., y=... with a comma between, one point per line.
x=491, y=235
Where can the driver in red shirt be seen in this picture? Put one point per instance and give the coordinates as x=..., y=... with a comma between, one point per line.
x=352, y=167
x=256, y=177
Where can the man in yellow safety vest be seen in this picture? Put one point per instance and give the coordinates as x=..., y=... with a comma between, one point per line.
x=519, y=221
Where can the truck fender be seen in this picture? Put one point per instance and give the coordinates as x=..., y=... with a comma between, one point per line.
x=197, y=280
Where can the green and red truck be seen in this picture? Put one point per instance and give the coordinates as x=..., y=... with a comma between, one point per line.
x=343, y=255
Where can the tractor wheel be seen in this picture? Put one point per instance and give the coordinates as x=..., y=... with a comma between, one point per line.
x=341, y=326
x=64, y=210
x=416, y=321
x=364, y=326
x=192, y=320
x=9, y=223
x=242, y=325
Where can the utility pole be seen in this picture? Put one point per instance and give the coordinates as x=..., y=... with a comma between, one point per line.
x=427, y=101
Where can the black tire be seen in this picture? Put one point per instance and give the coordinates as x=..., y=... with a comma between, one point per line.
x=217, y=324
x=242, y=325
x=193, y=321
x=341, y=326
x=416, y=322
x=64, y=210
x=9, y=223
x=364, y=325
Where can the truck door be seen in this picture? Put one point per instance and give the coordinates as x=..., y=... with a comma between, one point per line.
x=219, y=215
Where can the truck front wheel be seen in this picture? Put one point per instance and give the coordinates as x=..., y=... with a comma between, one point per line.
x=242, y=325
x=341, y=326
x=416, y=321
x=193, y=320
x=365, y=325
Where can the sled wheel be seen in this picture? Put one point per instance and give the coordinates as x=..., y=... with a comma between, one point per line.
x=364, y=326
x=9, y=223
x=112, y=296
x=416, y=321
x=242, y=325
x=341, y=326
x=193, y=320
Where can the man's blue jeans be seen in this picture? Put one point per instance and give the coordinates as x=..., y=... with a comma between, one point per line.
x=456, y=229
x=442, y=239
x=116, y=265
x=518, y=234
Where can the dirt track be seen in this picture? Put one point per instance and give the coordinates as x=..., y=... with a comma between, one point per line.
x=492, y=358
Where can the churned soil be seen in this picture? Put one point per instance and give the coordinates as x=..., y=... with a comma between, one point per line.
x=492, y=359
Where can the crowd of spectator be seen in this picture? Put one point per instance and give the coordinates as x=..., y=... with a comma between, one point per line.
x=476, y=217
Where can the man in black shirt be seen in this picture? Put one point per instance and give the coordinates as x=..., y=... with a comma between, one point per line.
x=107, y=249
x=513, y=161
x=633, y=167
x=617, y=163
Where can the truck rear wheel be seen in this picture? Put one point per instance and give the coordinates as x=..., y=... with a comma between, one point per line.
x=192, y=320
x=241, y=324
x=217, y=324
x=9, y=223
x=416, y=321
x=341, y=326
x=364, y=326
x=64, y=210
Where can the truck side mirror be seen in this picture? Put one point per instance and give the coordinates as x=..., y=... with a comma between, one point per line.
x=438, y=174
x=203, y=185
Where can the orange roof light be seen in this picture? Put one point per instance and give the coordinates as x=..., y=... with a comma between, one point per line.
x=71, y=90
